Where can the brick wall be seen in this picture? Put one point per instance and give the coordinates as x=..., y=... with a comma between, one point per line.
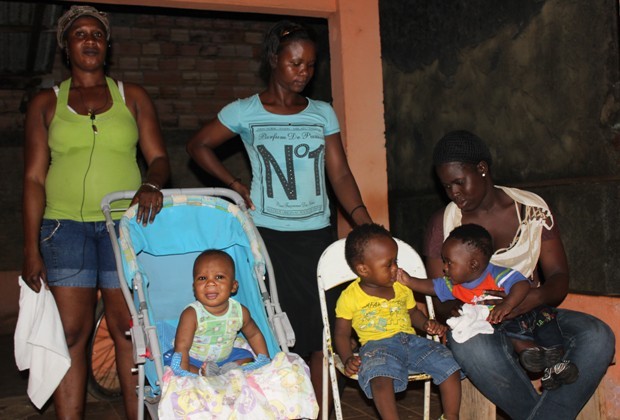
x=191, y=66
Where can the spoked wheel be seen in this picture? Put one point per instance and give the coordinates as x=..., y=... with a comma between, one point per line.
x=103, y=382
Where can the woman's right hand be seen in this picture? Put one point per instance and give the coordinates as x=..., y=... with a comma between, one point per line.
x=150, y=201
x=244, y=192
x=33, y=271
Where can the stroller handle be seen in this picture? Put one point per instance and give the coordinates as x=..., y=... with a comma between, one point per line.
x=220, y=192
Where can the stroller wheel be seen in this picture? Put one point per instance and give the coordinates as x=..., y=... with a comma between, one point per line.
x=103, y=382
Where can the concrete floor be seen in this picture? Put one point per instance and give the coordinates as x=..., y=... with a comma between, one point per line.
x=15, y=405
x=14, y=402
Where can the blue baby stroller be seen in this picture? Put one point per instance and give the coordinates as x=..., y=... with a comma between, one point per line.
x=155, y=268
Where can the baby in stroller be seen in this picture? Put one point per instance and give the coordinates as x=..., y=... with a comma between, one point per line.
x=213, y=373
x=153, y=259
x=208, y=327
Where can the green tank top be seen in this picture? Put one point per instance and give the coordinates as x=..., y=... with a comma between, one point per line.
x=86, y=166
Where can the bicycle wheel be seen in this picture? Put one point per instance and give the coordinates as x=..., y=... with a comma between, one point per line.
x=103, y=382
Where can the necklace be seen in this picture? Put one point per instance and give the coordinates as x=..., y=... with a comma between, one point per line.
x=92, y=112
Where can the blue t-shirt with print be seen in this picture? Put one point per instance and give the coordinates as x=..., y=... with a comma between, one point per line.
x=287, y=155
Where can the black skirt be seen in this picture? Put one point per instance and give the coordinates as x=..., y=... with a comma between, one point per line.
x=295, y=256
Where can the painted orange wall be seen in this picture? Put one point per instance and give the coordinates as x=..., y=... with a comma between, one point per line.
x=357, y=84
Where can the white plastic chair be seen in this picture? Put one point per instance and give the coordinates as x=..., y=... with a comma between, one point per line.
x=332, y=271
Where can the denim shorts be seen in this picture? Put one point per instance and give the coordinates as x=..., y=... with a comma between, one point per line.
x=78, y=254
x=403, y=354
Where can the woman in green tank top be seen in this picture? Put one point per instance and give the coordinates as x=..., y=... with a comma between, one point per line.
x=81, y=143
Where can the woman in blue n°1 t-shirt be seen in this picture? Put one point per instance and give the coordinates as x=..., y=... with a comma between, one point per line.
x=294, y=144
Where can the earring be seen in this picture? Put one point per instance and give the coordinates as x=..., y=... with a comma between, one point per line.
x=483, y=174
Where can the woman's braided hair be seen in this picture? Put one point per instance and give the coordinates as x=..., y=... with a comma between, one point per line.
x=277, y=37
x=461, y=146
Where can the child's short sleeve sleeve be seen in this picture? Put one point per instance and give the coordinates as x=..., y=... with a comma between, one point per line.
x=344, y=309
x=506, y=278
x=443, y=289
x=403, y=292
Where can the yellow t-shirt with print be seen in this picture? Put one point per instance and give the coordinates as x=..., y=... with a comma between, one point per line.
x=376, y=318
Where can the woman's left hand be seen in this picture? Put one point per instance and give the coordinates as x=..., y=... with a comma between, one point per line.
x=494, y=297
x=243, y=191
x=150, y=201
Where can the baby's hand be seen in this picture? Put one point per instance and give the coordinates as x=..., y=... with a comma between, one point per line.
x=498, y=313
x=435, y=328
x=352, y=365
x=403, y=278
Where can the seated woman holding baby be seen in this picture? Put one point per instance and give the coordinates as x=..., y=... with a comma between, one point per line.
x=526, y=237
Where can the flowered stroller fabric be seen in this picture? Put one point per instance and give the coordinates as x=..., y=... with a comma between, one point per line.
x=279, y=390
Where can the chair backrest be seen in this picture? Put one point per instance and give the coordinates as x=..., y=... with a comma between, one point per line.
x=333, y=268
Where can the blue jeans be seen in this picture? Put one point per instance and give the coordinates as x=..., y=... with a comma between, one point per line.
x=400, y=355
x=492, y=366
x=78, y=254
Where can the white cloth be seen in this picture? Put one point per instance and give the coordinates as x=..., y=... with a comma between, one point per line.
x=471, y=322
x=40, y=343
x=524, y=251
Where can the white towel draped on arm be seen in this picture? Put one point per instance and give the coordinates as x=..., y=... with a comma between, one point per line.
x=40, y=343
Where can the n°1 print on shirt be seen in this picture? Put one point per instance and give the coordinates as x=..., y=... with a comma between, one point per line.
x=291, y=161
